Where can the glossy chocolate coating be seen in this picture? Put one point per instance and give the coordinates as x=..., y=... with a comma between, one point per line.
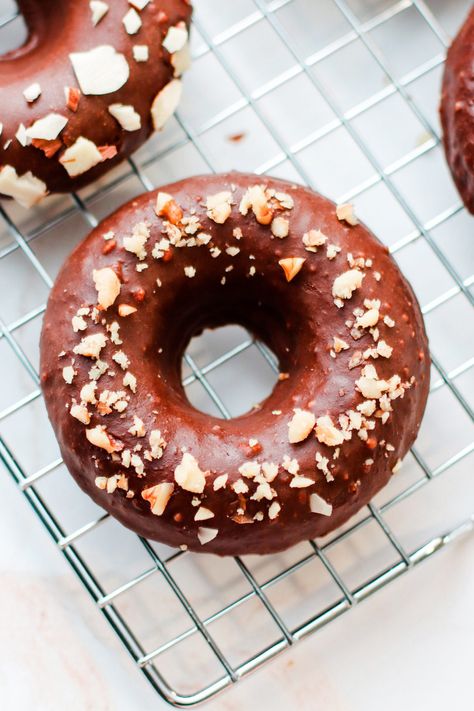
x=56, y=29
x=297, y=319
x=457, y=111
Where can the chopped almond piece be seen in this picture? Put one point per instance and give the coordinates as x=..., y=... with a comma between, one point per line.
x=49, y=148
x=345, y=284
x=206, y=535
x=189, y=476
x=73, y=95
x=318, y=505
x=280, y=227
x=158, y=497
x=291, y=266
x=256, y=199
x=219, y=206
x=126, y=310
x=300, y=426
x=107, y=285
x=81, y=413
x=98, y=437
x=327, y=432
x=346, y=212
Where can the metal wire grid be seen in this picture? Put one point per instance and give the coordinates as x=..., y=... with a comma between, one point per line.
x=149, y=659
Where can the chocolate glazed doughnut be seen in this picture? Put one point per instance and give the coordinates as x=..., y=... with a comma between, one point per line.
x=90, y=84
x=457, y=111
x=303, y=276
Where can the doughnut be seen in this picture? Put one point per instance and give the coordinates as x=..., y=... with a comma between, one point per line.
x=301, y=274
x=87, y=88
x=457, y=111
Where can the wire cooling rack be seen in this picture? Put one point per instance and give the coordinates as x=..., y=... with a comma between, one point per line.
x=341, y=95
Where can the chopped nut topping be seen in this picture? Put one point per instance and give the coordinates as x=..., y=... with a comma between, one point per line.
x=388, y=321
x=47, y=128
x=219, y=206
x=220, y=482
x=87, y=393
x=383, y=349
x=346, y=212
x=98, y=10
x=300, y=425
x=126, y=310
x=101, y=482
x=367, y=408
x=240, y=487
x=91, y=346
x=68, y=374
x=322, y=463
x=270, y=471
x=232, y=251
x=249, y=469
x=291, y=266
x=176, y=38
x=158, y=496
x=339, y=345
x=190, y=272
x=318, y=505
x=314, y=239
x=132, y=21
x=127, y=117
x=81, y=413
x=140, y=52
x=327, y=432
x=292, y=466
x=368, y=319
x=26, y=189
x=332, y=251
x=80, y=157
x=345, y=284
x=130, y=381
x=138, y=428
x=107, y=285
x=202, y=514
x=136, y=243
x=165, y=103
x=189, y=476
x=280, y=227
x=157, y=444
x=301, y=482
x=206, y=535
x=263, y=491
x=274, y=510
x=98, y=436
x=122, y=360
x=78, y=323
x=32, y=92
x=256, y=199
x=370, y=386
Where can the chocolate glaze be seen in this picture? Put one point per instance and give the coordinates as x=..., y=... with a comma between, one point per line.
x=297, y=319
x=457, y=110
x=55, y=29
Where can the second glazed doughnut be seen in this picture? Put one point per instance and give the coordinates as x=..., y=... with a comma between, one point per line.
x=87, y=88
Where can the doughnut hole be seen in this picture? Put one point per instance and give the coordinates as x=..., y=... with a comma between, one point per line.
x=242, y=374
x=264, y=313
x=14, y=33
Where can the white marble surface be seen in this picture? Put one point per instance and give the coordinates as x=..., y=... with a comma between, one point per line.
x=410, y=646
